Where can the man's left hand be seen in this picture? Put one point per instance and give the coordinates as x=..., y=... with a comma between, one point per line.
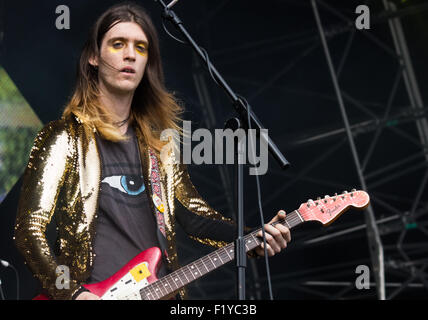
x=277, y=236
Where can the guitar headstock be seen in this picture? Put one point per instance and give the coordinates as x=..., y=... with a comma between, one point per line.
x=328, y=209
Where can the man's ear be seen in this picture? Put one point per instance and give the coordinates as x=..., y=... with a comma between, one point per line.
x=93, y=61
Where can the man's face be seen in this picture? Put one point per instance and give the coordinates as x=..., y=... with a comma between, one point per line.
x=125, y=48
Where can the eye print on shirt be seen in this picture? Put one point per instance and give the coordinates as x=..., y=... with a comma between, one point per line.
x=132, y=185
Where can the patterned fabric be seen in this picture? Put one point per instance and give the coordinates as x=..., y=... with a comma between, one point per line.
x=159, y=207
x=63, y=177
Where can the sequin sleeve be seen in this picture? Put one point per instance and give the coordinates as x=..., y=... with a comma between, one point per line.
x=43, y=178
x=201, y=221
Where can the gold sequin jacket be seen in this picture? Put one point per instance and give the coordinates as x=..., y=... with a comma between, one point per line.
x=63, y=178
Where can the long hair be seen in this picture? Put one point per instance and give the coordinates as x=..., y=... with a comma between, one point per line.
x=153, y=108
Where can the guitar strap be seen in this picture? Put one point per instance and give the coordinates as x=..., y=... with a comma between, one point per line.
x=157, y=200
x=159, y=207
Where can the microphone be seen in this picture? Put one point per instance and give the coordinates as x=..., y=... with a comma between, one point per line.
x=108, y=65
x=4, y=263
x=171, y=4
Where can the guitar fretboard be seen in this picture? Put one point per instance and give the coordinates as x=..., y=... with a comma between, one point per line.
x=198, y=268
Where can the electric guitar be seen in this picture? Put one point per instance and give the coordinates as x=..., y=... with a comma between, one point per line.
x=137, y=279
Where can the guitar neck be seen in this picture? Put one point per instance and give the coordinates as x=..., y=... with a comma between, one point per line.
x=198, y=268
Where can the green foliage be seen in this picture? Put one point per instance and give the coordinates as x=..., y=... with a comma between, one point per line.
x=18, y=127
x=15, y=146
x=8, y=91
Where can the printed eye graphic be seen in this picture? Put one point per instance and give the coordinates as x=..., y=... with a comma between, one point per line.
x=132, y=185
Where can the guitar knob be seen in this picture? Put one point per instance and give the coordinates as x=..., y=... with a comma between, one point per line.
x=345, y=192
x=319, y=198
x=353, y=190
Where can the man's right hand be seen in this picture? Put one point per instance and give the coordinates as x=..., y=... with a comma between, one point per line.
x=87, y=296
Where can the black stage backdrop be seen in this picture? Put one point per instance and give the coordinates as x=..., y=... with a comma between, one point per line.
x=269, y=52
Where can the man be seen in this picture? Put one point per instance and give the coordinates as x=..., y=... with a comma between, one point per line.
x=98, y=169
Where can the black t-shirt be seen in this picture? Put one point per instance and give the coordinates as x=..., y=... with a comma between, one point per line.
x=125, y=225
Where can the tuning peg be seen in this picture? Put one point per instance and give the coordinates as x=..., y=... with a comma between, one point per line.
x=319, y=198
x=345, y=192
x=326, y=197
x=311, y=202
x=353, y=190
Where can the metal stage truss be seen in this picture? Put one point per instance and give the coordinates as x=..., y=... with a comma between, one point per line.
x=394, y=230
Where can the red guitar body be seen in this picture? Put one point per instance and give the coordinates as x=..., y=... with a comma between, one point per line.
x=151, y=258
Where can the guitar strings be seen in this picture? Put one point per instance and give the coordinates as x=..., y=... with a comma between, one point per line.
x=164, y=284
x=293, y=219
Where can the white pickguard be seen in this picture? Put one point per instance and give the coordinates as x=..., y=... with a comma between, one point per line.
x=127, y=288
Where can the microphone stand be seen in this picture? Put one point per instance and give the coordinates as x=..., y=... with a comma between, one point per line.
x=246, y=116
x=7, y=265
x=1, y=291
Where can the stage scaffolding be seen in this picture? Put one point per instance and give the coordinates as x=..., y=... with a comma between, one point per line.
x=398, y=267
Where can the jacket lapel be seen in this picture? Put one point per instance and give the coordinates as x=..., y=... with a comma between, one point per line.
x=90, y=173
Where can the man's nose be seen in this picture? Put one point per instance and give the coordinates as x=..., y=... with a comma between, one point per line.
x=130, y=53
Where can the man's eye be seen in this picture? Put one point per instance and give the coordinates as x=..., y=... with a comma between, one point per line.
x=141, y=48
x=117, y=45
